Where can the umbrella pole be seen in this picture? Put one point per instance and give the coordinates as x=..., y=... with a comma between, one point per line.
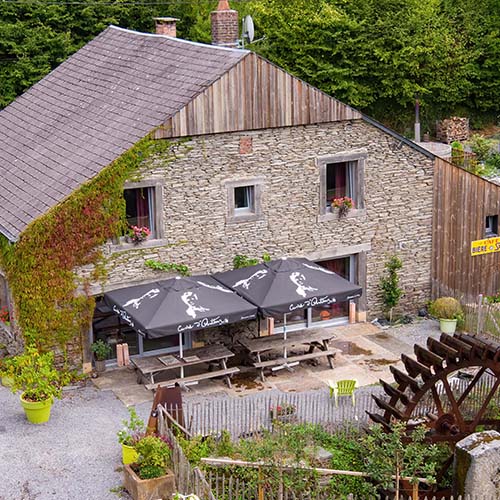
x=181, y=353
x=284, y=336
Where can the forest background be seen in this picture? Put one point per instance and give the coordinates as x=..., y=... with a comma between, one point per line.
x=376, y=55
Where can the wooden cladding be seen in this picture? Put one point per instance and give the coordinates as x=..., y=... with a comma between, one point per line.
x=255, y=94
x=462, y=201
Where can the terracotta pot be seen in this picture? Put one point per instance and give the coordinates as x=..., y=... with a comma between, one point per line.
x=145, y=489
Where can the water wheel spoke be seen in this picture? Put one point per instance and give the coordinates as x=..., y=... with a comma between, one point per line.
x=471, y=386
x=437, y=400
x=485, y=404
x=442, y=471
x=453, y=402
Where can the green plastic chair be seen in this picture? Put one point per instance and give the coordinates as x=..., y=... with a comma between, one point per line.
x=342, y=388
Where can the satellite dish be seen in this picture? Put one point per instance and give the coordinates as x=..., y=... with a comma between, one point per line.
x=248, y=29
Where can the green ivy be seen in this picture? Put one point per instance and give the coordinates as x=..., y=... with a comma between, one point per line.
x=40, y=267
x=182, y=269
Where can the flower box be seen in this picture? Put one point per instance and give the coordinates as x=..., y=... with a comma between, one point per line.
x=162, y=487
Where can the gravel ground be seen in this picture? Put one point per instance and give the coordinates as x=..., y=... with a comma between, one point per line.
x=73, y=456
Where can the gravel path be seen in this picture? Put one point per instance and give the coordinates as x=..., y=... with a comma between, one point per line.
x=74, y=456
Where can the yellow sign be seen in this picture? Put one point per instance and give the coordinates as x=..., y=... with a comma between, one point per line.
x=480, y=247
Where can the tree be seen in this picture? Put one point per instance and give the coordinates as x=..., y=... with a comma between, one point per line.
x=389, y=284
x=391, y=456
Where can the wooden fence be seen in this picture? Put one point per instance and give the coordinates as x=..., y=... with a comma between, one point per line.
x=482, y=318
x=188, y=479
x=243, y=417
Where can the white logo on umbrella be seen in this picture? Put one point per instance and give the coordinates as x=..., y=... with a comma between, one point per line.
x=319, y=268
x=190, y=298
x=214, y=287
x=248, y=281
x=299, y=279
x=135, y=303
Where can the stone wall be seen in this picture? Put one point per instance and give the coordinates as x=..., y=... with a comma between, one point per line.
x=397, y=214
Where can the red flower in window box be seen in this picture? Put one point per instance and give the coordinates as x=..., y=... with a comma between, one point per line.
x=343, y=204
x=138, y=234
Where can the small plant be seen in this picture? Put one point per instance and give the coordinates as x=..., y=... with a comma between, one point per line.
x=480, y=146
x=154, y=457
x=182, y=269
x=389, y=284
x=283, y=410
x=36, y=376
x=4, y=315
x=133, y=429
x=343, y=204
x=138, y=234
x=446, y=308
x=101, y=350
x=240, y=261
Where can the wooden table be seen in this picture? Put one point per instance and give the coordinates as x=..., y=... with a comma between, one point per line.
x=149, y=367
x=318, y=338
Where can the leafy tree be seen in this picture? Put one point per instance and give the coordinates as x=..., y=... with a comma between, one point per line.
x=389, y=284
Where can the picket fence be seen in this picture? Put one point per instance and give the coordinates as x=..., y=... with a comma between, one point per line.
x=244, y=417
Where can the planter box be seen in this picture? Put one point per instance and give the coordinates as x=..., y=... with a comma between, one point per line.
x=147, y=489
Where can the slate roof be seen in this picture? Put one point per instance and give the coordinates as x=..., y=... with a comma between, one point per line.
x=91, y=109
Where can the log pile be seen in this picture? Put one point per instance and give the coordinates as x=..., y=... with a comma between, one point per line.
x=452, y=129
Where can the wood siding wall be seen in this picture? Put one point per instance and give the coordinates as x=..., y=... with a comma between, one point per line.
x=461, y=203
x=255, y=94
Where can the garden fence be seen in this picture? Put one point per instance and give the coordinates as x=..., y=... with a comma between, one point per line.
x=246, y=416
x=188, y=479
x=482, y=318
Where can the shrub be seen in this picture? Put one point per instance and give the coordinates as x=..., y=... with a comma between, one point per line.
x=389, y=284
x=446, y=308
x=101, y=349
x=36, y=375
x=480, y=146
x=154, y=457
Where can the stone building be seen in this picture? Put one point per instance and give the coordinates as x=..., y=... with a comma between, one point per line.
x=255, y=159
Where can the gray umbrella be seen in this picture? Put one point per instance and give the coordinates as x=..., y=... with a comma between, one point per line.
x=282, y=286
x=178, y=305
x=286, y=285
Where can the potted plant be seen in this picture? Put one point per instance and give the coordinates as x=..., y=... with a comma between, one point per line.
x=138, y=234
x=40, y=382
x=448, y=310
x=133, y=430
x=149, y=477
x=343, y=204
x=101, y=351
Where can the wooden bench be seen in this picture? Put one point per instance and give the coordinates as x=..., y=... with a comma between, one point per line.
x=329, y=353
x=226, y=373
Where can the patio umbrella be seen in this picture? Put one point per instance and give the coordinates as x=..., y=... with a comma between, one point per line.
x=177, y=305
x=282, y=286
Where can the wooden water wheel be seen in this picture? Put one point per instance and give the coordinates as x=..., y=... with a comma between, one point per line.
x=451, y=386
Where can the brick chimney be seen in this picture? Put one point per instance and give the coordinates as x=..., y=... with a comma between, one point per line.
x=225, y=25
x=166, y=26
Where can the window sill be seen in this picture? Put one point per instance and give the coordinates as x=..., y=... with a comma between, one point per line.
x=354, y=213
x=235, y=219
x=122, y=245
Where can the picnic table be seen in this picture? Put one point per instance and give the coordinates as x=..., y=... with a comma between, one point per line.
x=151, y=366
x=318, y=339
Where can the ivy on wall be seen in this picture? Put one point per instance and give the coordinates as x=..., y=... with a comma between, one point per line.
x=40, y=267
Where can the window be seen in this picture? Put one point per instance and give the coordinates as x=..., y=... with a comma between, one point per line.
x=491, y=225
x=341, y=175
x=340, y=180
x=140, y=208
x=244, y=199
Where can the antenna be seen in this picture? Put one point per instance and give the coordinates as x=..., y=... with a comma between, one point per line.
x=248, y=31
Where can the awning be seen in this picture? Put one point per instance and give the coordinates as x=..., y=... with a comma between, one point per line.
x=286, y=285
x=178, y=305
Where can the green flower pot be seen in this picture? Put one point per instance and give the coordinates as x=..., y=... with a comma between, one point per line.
x=129, y=455
x=37, y=412
x=7, y=381
x=448, y=325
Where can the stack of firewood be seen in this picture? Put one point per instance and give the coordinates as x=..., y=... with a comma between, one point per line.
x=452, y=129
